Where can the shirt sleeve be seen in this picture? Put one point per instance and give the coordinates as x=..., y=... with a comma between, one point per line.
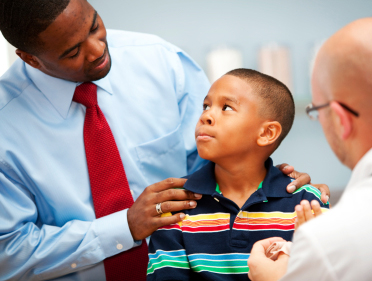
x=312, y=193
x=308, y=260
x=167, y=255
x=194, y=87
x=31, y=250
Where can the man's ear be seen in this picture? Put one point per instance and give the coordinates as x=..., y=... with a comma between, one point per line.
x=28, y=58
x=269, y=133
x=345, y=125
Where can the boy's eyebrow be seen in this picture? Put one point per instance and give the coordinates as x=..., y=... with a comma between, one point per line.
x=227, y=98
x=232, y=99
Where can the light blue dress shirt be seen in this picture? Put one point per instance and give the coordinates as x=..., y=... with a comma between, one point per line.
x=151, y=98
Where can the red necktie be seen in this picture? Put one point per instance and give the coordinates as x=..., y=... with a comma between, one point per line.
x=108, y=182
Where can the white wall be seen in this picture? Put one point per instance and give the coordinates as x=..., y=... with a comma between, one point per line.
x=199, y=25
x=7, y=55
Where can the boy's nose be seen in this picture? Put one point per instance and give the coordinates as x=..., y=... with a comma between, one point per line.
x=207, y=118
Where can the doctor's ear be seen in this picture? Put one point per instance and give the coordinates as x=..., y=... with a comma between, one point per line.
x=269, y=133
x=344, y=124
x=28, y=58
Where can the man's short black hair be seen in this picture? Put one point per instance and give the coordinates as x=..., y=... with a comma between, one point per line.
x=277, y=99
x=21, y=21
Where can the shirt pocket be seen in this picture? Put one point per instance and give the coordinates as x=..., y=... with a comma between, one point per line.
x=163, y=157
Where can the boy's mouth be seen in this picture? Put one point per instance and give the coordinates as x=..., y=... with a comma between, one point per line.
x=203, y=136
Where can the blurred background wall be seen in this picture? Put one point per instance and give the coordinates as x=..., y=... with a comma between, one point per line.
x=200, y=26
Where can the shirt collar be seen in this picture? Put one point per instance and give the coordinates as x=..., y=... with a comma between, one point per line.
x=60, y=92
x=274, y=185
x=361, y=171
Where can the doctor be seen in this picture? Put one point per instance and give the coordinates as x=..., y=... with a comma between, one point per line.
x=336, y=245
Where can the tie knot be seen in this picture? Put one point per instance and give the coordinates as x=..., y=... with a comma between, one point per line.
x=86, y=94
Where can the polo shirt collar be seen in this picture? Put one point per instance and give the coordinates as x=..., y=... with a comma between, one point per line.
x=274, y=185
x=60, y=92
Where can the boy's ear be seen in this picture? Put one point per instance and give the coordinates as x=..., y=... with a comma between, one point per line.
x=28, y=58
x=269, y=133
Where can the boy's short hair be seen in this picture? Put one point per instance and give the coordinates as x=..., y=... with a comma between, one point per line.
x=277, y=100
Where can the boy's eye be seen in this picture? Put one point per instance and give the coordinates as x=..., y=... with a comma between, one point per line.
x=226, y=108
x=206, y=107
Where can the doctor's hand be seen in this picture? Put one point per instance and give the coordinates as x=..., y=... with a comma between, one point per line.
x=306, y=212
x=144, y=215
x=302, y=179
x=262, y=268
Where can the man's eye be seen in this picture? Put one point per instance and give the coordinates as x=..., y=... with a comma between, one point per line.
x=226, y=108
x=74, y=55
x=206, y=107
x=95, y=28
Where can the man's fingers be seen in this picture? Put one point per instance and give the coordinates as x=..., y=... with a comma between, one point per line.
x=175, y=206
x=167, y=183
x=301, y=179
x=285, y=168
x=316, y=208
x=176, y=194
x=170, y=219
x=324, y=189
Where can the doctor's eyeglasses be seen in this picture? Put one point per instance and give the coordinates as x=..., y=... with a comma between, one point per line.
x=312, y=111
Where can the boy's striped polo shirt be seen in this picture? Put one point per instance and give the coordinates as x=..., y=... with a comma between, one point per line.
x=213, y=242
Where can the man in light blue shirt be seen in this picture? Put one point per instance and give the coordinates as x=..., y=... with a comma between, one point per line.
x=151, y=94
x=151, y=98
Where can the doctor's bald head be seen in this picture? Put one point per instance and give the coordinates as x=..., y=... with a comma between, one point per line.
x=342, y=81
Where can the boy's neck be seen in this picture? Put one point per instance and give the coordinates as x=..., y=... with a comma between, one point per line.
x=238, y=180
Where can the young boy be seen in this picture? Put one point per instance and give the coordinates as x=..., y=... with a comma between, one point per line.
x=246, y=116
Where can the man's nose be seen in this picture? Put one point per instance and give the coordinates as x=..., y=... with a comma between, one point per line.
x=96, y=49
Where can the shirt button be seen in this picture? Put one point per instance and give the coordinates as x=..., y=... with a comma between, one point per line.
x=73, y=265
x=119, y=246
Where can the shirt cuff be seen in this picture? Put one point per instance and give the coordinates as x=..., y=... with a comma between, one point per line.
x=114, y=233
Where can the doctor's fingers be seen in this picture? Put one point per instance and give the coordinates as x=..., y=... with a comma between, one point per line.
x=316, y=208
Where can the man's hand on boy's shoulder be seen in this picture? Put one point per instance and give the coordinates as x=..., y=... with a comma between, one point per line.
x=143, y=216
x=302, y=179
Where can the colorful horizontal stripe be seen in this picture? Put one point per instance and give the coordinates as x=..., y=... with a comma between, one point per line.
x=231, y=263
x=206, y=223
x=161, y=259
x=265, y=221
